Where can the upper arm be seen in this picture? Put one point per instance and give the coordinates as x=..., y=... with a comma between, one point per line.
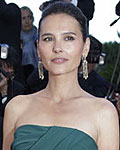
x=108, y=135
x=9, y=125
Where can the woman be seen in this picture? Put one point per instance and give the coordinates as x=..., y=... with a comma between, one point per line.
x=28, y=38
x=62, y=116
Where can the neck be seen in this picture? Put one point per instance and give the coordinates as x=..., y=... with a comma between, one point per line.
x=63, y=87
x=26, y=31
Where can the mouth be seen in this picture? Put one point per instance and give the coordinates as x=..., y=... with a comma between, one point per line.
x=27, y=26
x=59, y=60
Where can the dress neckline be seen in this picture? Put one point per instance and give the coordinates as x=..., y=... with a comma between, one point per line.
x=56, y=126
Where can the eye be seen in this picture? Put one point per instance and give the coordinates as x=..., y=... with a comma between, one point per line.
x=47, y=39
x=23, y=18
x=69, y=38
x=29, y=17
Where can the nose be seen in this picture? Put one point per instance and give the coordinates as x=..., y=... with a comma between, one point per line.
x=57, y=47
x=27, y=20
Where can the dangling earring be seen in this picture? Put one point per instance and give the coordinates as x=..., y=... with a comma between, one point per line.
x=84, y=67
x=40, y=69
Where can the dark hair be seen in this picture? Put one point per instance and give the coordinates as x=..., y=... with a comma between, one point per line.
x=47, y=3
x=69, y=9
x=28, y=9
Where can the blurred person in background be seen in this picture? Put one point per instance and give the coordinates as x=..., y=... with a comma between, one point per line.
x=10, y=28
x=9, y=84
x=10, y=62
x=10, y=24
x=88, y=9
x=28, y=38
x=117, y=9
x=95, y=84
x=29, y=55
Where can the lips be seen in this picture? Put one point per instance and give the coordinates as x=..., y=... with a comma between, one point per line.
x=27, y=26
x=59, y=60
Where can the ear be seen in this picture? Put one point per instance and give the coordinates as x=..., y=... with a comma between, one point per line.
x=32, y=19
x=86, y=47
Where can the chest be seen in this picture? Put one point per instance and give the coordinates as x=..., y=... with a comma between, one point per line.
x=74, y=115
x=78, y=115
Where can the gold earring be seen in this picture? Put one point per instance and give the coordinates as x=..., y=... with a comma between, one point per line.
x=84, y=67
x=40, y=69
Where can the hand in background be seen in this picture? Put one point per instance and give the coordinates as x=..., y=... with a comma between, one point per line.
x=3, y=85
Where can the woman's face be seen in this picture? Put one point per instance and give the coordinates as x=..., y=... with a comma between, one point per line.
x=61, y=44
x=27, y=20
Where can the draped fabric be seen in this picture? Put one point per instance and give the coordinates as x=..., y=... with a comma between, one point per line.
x=34, y=137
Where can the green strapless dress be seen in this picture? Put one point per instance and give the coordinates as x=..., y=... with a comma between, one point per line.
x=35, y=137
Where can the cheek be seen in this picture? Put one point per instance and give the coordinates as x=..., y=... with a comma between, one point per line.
x=77, y=58
x=43, y=50
x=31, y=22
x=74, y=46
x=23, y=23
x=76, y=54
x=75, y=50
x=44, y=53
x=44, y=58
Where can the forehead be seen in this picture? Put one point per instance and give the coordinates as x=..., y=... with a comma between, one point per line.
x=25, y=12
x=59, y=21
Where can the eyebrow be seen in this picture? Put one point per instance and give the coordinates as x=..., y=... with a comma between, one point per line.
x=45, y=34
x=49, y=34
x=69, y=33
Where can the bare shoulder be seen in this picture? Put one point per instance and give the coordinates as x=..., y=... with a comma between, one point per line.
x=20, y=103
x=12, y=112
x=105, y=107
x=107, y=113
x=100, y=105
x=15, y=106
x=107, y=124
x=17, y=103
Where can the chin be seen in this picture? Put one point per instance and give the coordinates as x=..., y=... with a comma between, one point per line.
x=58, y=72
x=62, y=72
